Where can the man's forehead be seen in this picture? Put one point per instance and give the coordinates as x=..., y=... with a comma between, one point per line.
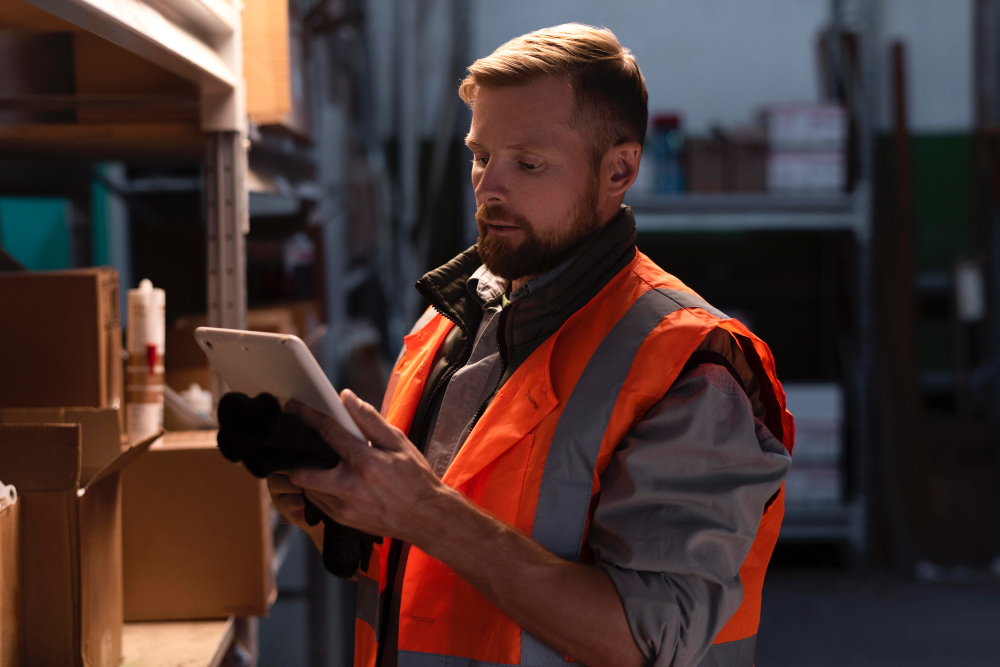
x=534, y=115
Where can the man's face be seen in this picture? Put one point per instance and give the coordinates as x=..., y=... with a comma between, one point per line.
x=535, y=183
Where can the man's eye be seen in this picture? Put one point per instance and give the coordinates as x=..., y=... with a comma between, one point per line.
x=528, y=166
x=481, y=160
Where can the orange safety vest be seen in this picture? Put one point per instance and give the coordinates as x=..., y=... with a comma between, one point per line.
x=535, y=459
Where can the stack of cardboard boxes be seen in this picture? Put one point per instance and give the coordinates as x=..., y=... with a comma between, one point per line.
x=808, y=148
x=816, y=475
x=10, y=584
x=163, y=529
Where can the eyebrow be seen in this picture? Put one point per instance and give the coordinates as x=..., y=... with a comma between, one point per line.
x=470, y=142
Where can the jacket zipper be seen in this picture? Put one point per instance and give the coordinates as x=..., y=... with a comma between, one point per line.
x=502, y=349
x=449, y=372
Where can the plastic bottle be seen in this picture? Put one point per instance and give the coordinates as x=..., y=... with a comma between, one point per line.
x=667, y=142
x=146, y=336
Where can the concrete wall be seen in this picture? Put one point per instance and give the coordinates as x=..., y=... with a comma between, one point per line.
x=713, y=60
x=939, y=39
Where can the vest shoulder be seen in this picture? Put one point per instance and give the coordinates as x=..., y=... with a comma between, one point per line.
x=651, y=273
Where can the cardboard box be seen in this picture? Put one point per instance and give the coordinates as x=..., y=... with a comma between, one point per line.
x=748, y=160
x=806, y=126
x=705, y=165
x=274, y=65
x=60, y=339
x=818, y=409
x=807, y=172
x=71, y=556
x=11, y=607
x=814, y=484
x=198, y=539
x=733, y=162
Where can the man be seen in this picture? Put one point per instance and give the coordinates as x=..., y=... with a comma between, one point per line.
x=577, y=456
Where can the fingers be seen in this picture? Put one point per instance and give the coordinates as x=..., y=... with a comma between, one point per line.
x=280, y=483
x=342, y=442
x=330, y=481
x=291, y=505
x=331, y=506
x=287, y=498
x=372, y=424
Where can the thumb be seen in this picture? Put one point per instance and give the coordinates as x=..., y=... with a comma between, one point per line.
x=374, y=427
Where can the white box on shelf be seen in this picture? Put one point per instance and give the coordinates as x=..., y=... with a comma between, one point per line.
x=818, y=409
x=812, y=171
x=814, y=484
x=806, y=126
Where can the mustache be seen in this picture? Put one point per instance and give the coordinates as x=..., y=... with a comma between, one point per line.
x=498, y=214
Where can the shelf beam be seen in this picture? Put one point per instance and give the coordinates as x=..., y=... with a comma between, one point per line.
x=145, y=31
x=750, y=212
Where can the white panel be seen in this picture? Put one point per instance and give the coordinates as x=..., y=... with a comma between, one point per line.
x=714, y=60
x=939, y=40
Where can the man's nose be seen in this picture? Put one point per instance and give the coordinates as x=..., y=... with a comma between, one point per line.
x=491, y=189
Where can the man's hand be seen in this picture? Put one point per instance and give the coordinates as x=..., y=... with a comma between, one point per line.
x=287, y=499
x=385, y=488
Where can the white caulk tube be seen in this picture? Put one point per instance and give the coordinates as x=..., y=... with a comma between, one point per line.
x=144, y=385
x=8, y=494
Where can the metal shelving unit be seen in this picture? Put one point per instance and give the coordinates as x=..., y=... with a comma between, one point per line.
x=815, y=521
x=830, y=522
x=201, y=41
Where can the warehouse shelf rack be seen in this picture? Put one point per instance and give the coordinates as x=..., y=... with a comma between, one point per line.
x=844, y=522
x=201, y=41
x=805, y=522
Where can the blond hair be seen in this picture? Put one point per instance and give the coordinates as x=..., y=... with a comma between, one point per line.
x=611, y=97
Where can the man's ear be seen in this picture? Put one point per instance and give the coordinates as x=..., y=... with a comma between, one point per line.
x=620, y=167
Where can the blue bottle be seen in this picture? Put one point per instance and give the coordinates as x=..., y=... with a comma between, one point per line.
x=666, y=142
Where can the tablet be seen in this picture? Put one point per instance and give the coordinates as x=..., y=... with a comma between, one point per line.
x=253, y=363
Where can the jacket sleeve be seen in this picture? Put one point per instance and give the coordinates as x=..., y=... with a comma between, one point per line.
x=678, y=512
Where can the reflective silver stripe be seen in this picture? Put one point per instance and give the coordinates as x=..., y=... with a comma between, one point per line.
x=688, y=300
x=731, y=654
x=369, y=602
x=567, y=481
x=564, y=496
x=414, y=659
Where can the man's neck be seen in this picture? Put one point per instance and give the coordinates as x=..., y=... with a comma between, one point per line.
x=518, y=283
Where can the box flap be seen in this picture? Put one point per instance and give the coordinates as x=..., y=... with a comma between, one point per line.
x=102, y=437
x=206, y=439
x=123, y=459
x=24, y=446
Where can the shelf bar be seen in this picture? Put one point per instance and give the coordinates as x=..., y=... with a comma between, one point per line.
x=141, y=29
x=738, y=222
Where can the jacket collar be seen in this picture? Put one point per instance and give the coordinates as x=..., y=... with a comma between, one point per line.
x=535, y=316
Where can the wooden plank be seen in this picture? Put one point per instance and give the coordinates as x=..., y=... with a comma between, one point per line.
x=104, y=140
x=131, y=75
x=18, y=14
x=177, y=643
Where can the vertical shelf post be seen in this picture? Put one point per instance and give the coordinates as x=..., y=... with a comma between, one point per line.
x=226, y=225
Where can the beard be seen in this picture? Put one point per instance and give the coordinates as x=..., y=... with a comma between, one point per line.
x=533, y=256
